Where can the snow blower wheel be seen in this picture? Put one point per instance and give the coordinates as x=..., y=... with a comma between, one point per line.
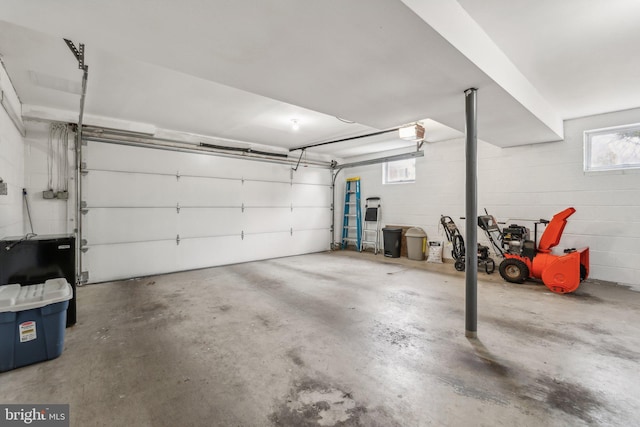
x=513, y=270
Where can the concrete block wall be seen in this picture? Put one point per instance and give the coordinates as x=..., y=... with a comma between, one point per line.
x=519, y=183
x=11, y=166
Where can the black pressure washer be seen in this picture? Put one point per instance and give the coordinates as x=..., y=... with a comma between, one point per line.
x=458, y=250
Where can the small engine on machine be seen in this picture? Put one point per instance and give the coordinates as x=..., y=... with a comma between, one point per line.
x=513, y=238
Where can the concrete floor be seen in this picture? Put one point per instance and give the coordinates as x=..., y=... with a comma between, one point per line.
x=341, y=339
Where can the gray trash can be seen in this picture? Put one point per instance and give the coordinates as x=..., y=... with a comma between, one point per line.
x=416, y=243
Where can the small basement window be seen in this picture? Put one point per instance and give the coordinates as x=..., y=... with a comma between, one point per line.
x=612, y=148
x=399, y=171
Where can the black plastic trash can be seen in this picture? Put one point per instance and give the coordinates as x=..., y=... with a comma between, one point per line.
x=392, y=238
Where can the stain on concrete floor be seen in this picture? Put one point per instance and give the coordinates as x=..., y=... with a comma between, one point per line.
x=264, y=320
x=393, y=335
x=566, y=396
x=484, y=365
x=294, y=355
x=315, y=403
x=463, y=388
x=584, y=296
x=305, y=272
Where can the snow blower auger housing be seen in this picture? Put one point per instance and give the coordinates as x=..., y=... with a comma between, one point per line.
x=528, y=259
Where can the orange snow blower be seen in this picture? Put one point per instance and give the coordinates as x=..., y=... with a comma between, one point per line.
x=524, y=258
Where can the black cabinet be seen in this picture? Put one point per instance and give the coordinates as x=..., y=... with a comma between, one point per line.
x=32, y=261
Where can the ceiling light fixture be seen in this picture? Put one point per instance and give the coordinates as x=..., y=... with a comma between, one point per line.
x=294, y=124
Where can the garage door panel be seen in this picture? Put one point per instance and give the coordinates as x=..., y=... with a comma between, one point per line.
x=270, y=245
x=309, y=241
x=194, y=222
x=265, y=171
x=215, y=166
x=122, y=261
x=266, y=193
x=129, y=189
x=206, y=252
x=274, y=245
x=257, y=220
x=305, y=218
x=207, y=165
x=312, y=175
x=195, y=191
x=311, y=195
x=129, y=225
x=115, y=157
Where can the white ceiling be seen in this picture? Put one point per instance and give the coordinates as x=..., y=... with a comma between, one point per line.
x=243, y=70
x=582, y=55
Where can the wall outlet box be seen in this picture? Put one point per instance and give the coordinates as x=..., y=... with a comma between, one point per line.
x=3, y=188
x=48, y=194
x=62, y=195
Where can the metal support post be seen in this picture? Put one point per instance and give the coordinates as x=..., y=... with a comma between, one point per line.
x=471, y=211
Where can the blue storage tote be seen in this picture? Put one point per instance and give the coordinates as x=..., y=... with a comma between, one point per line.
x=32, y=322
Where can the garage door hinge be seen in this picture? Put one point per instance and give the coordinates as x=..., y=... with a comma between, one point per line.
x=331, y=207
x=177, y=239
x=291, y=231
x=242, y=207
x=242, y=234
x=83, y=208
x=242, y=180
x=178, y=207
x=83, y=168
x=84, y=277
x=291, y=207
x=178, y=176
x=83, y=246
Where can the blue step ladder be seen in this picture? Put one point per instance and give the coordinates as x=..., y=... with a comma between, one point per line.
x=352, y=222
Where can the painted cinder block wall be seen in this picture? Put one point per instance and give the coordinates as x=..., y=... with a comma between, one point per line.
x=11, y=165
x=527, y=182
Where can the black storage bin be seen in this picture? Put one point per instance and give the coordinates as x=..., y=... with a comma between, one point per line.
x=392, y=239
x=35, y=260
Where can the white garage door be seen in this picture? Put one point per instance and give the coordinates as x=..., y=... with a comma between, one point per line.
x=151, y=211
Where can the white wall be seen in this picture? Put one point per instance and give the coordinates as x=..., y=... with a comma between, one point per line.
x=11, y=165
x=49, y=216
x=516, y=183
